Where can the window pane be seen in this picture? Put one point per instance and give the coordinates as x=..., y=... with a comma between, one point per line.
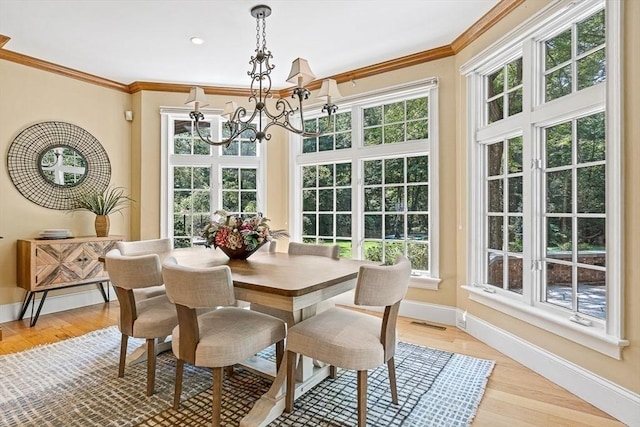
x=394, y=199
x=343, y=174
x=558, y=83
x=559, y=289
x=372, y=199
x=591, y=138
x=559, y=235
x=373, y=136
x=418, y=254
x=495, y=83
x=309, y=145
x=308, y=176
x=514, y=271
x=558, y=50
x=373, y=251
x=591, y=189
x=417, y=108
x=230, y=178
x=394, y=133
x=515, y=154
x=417, y=130
x=230, y=201
x=308, y=200
x=514, y=73
x=418, y=227
x=515, y=194
x=232, y=149
x=249, y=179
x=248, y=202
x=592, y=69
x=182, y=177
x=515, y=102
x=394, y=112
x=418, y=198
x=495, y=159
x=325, y=200
x=496, y=110
x=394, y=171
x=592, y=241
x=343, y=225
x=373, y=116
x=343, y=121
x=325, y=143
x=249, y=148
x=418, y=169
x=325, y=175
x=394, y=226
x=325, y=222
x=559, y=192
x=496, y=196
x=591, y=32
x=373, y=226
x=558, y=147
x=515, y=234
x=592, y=292
x=343, y=140
x=343, y=199
x=495, y=270
x=309, y=224
x=373, y=172
x=496, y=235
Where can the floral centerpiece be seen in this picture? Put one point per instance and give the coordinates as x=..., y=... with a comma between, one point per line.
x=238, y=237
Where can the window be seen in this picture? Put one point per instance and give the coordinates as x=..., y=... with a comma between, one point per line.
x=544, y=181
x=365, y=183
x=200, y=179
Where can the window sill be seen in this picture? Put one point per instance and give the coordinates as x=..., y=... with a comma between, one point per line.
x=424, y=282
x=590, y=337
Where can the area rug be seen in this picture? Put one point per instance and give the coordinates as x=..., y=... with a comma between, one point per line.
x=75, y=383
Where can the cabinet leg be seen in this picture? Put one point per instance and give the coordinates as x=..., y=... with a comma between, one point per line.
x=34, y=319
x=25, y=304
x=105, y=295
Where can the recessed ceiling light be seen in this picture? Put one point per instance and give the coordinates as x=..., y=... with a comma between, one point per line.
x=196, y=40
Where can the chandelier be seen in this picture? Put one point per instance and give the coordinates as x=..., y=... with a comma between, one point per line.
x=255, y=125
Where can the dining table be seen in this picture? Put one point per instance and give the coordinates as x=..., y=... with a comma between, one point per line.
x=294, y=283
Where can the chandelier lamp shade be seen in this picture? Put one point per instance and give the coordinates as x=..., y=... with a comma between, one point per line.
x=255, y=124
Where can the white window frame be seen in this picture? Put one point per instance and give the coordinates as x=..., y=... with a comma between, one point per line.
x=358, y=153
x=605, y=337
x=215, y=160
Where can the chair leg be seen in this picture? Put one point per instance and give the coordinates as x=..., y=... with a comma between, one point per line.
x=229, y=370
x=151, y=366
x=391, y=367
x=123, y=355
x=291, y=381
x=217, y=396
x=333, y=372
x=279, y=353
x=177, y=391
x=362, y=398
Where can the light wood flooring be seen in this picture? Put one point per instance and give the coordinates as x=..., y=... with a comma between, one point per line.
x=515, y=395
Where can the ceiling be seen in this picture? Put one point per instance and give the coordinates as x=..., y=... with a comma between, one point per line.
x=148, y=40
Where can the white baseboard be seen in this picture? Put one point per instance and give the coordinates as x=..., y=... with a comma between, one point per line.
x=56, y=303
x=616, y=401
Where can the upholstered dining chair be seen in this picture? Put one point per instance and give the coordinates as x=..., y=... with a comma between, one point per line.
x=161, y=247
x=218, y=338
x=353, y=340
x=149, y=317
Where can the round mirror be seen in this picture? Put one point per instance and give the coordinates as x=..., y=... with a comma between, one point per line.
x=53, y=163
x=63, y=165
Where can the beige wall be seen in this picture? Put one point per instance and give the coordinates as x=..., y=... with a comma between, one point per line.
x=29, y=96
x=624, y=372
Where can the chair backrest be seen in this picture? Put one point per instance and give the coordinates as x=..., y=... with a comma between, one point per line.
x=145, y=247
x=198, y=287
x=133, y=272
x=383, y=285
x=329, y=251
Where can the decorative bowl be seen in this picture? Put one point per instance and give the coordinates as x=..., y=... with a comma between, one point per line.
x=240, y=253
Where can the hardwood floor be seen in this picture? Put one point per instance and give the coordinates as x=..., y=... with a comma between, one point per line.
x=515, y=396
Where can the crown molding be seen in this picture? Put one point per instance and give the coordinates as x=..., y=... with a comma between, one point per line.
x=488, y=20
x=175, y=87
x=59, y=69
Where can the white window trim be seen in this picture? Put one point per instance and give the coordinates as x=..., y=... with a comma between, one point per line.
x=355, y=156
x=609, y=340
x=216, y=161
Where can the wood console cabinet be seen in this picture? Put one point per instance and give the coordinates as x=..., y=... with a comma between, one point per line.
x=44, y=265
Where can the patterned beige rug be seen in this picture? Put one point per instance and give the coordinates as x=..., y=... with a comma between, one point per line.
x=75, y=383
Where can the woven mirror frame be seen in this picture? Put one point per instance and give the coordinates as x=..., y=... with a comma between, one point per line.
x=30, y=146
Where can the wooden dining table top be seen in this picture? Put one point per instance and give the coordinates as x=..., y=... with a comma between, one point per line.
x=274, y=272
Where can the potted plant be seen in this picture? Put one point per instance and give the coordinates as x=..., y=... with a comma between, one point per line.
x=102, y=203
